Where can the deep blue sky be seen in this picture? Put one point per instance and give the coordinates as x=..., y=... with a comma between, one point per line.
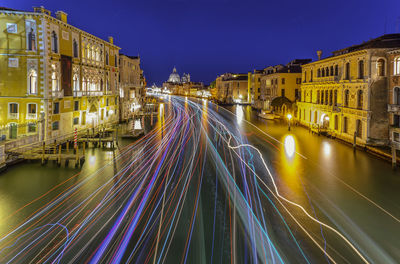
x=210, y=37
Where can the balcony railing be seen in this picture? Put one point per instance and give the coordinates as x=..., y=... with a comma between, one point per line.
x=78, y=93
x=13, y=115
x=393, y=108
x=58, y=94
x=31, y=116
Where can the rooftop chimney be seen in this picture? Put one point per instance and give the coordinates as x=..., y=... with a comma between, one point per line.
x=111, y=40
x=319, y=53
x=60, y=15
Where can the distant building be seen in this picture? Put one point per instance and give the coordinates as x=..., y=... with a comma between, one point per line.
x=182, y=86
x=346, y=94
x=280, y=86
x=254, y=86
x=132, y=88
x=232, y=88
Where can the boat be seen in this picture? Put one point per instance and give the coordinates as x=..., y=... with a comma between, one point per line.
x=267, y=115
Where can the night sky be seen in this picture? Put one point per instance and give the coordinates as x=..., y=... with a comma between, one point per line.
x=209, y=37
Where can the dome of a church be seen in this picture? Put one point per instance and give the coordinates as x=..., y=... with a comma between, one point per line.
x=174, y=77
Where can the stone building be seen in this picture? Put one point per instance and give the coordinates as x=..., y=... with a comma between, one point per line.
x=232, y=88
x=391, y=68
x=346, y=94
x=280, y=86
x=56, y=74
x=182, y=86
x=131, y=85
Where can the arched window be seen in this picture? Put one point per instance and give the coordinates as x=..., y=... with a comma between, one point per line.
x=345, y=124
x=346, y=98
x=319, y=73
x=360, y=99
x=326, y=97
x=335, y=98
x=327, y=71
x=106, y=57
x=322, y=97
x=54, y=42
x=380, y=67
x=75, y=48
x=331, y=71
x=330, y=97
x=336, y=122
x=76, y=82
x=397, y=66
x=361, y=69
x=311, y=76
x=97, y=54
x=31, y=40
x=323, y=72
x=54, y=82
x=336, y=70
x=32, y=82
x=88, y=52
x=93, y=53
x=396, y=96
x=347, y=71
x=359, y=128
x=83, y=51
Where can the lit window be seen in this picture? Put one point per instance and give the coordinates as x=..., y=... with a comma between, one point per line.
x=397, y=66
x=12, y=28
x=54, y=42
x=54, y=82
x=76, y=82
x=32, y=82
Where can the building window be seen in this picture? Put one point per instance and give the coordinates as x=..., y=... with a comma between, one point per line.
x=12, y=28
x=345, y=124
x=335, y=98
x=311, y=76
x=331, y=71
x=56, y=108
x=106, y=57
x=397, y=66
x=32, y=109
x=31, y=127
x=322, y=97
x=318, y=97
x=305, y=77
x=116, y=61
x=13, y=108
x=380, y=67
x=336, y=70
x=283, y=92
x=75, y=48
x=336, y=122
x=327, y=71
x=330, y=97
x=283, y=80
x=396, y=96
x=55, y=125
x=54, y=42
x=76, y=105
x=319, y=73
x=76, y=82
x=296, y=94
x=347, y=71
x=346, y=98
x=361, y=69
x=360, y=99
x=54, y=82
x=359, y=128
x=76, y=121
x=32, y=89
x=107, y=102
x=31, y=35
x=326, y=97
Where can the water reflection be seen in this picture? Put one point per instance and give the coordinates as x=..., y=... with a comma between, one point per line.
x=326, y=149
x=290, y=146
x=239, y=113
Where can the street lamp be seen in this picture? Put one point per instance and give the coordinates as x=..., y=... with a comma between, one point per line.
x=289, y=116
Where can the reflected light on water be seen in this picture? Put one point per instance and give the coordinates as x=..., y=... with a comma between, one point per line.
x=239, y=113
x=327, y=149
x=92, y=160
x=290, y=146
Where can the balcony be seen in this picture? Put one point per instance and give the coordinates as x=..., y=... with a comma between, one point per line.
x=94, y=93
x=13, y=115
x=78, y=93
x=393, y=108
x=31, y=116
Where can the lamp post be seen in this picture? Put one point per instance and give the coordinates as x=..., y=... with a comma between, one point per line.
x=289, y=117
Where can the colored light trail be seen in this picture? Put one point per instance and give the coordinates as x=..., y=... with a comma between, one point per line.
x=192, y=190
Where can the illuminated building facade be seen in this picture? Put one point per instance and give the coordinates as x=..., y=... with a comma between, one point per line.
x=346, y=94
x=54, y=76
x=232, y=88
x=391, y=68
x=131, y=85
